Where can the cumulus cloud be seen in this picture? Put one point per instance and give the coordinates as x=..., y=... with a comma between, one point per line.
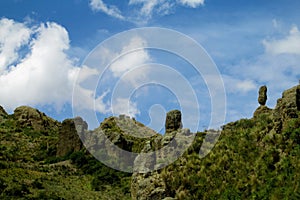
x=13, y=36
x=288, y=45
x=45, y=75
x=277, y=67
x=99, y=5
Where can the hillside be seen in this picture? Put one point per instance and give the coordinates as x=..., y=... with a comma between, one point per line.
x=257, y=158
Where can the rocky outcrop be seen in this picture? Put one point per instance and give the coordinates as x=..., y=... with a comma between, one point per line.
x=262, y=99
x=28, y=117
x=262, y=95
x=262, y=110
x=147, y=182
x=173, y=121
x=69, y=140
x=287, y=107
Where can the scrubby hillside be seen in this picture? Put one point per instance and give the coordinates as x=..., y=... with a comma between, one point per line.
x=41, y=158
x=257, y=158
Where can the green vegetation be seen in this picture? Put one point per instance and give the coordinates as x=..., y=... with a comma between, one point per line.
x=30, y=169
x=249, y=161
x=257, y=158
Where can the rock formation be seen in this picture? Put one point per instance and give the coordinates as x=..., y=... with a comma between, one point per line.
x=33, y=118
x=262, y=99
x=147, y=182
x=173, y=121
x=287, y=107
x=69, y=140
x=262, y=95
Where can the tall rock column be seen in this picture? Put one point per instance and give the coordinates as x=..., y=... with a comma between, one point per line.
x=262, y=95
x=173, y=121
x=262, y=99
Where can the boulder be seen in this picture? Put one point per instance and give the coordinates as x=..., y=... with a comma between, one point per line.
x=262, y=95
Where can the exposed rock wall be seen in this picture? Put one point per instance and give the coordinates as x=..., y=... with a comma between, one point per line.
x=69, y=140
x=147, y=182
x=287, y=107
x=173, y=121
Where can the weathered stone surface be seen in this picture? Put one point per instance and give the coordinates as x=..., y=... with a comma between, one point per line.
x=38, y=121
x=69, y=141
x=262, y=110
x=147, y=181
x=287, y=107
x=173, y=121
x=149, y=186
x=262, y=95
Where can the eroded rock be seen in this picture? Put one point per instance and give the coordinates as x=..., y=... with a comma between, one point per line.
x=287, y=107
x=33, y=118
x=69, y=140
x=262, y=95
x=173, y=121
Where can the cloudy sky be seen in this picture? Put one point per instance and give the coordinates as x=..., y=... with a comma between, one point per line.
x=47, y=49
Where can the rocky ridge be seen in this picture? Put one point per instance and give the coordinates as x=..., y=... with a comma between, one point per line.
x=151, y=179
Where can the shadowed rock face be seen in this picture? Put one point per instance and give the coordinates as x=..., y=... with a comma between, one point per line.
x=173, y=121
x=262, y=95
x=69, y=140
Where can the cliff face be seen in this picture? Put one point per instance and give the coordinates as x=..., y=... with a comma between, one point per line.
x=69, y=140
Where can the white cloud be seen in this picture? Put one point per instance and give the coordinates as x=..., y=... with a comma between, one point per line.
x=113, y=11
x=235, y=85
x=147, y=8
x=125, y=106
x=288, y=45
x=277, y=67
x=45, y=75
x=133, y=55
x=142, y=10
x=13, y=35
x=192, y=3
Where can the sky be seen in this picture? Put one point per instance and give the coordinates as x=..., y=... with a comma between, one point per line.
x=48, y=51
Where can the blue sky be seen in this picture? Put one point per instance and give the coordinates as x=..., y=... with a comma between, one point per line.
x=43, y=45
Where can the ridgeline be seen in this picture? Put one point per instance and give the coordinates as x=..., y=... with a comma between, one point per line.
x=257, y=158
